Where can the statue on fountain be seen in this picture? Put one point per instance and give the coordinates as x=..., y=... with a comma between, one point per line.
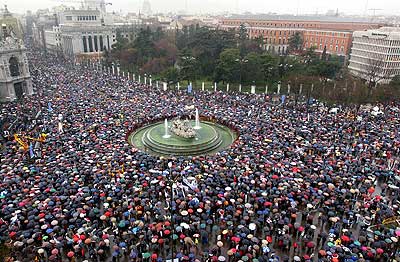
x=183, y=128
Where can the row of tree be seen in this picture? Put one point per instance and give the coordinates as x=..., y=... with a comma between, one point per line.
x=199, y=53
x=202, y=54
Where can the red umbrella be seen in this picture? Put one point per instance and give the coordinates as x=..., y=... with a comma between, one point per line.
x=310, y=244
x=301, y=229
x=379, y=251
x=70, y=254
x=275, y=177
x=345, y=238
x=167, y=232
x=371, y=190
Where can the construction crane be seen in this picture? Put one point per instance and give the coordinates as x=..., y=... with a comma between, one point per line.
x=374, y=10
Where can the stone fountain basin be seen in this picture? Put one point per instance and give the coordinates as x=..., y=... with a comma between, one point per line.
x=211, y=138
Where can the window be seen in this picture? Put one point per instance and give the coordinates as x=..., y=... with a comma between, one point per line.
x=14, y=67
x=68, y=18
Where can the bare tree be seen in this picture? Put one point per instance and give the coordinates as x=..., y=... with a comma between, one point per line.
x=375, y=72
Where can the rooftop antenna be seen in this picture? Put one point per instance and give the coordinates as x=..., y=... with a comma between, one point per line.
x=374, y=12
x=366, y=7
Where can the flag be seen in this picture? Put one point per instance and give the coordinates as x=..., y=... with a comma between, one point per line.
x=49, y=108
x=283, y=98
x=189, y=88
x=31, y=153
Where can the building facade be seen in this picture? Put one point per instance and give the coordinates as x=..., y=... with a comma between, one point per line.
x=15, y=79
x=376, y=54
x=81, y=34
x=333, y=36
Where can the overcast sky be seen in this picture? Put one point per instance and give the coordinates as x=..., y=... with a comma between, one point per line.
x=204, y=6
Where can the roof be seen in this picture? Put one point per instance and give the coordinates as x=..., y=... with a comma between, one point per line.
x=303, y=18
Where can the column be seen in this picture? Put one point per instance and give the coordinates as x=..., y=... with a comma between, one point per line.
x=240, y=88
x=279, y=89
x=215, y=87
x=202, y=86
x=266, y=89
x=179, y=86
x=301, y=88
x=227, y=87
x=288, y=88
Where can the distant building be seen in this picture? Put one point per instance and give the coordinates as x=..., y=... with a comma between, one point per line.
x=95, y=5
x=15, y=79
x=333, y=34
x=376, y=52
x=146, y=7
x=13, y=25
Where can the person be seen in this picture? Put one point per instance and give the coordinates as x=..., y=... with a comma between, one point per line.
x=90, y=183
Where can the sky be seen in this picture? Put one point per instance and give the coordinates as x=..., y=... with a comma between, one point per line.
x=214, y=6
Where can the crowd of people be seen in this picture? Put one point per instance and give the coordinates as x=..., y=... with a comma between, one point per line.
x=299, y=183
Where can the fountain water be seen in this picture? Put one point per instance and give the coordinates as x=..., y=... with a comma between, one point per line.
x=166, y=135
x=197, y=121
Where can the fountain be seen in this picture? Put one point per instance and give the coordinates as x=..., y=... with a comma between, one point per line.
x=197, y=121
x=182, y=137
x=166, y=135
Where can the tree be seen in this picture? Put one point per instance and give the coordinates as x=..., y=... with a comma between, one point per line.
x=228, y=68
x=170, y=75
x=374, y=72
x=269, y=66
x=295, y=42
x=395, y=81
x=243, y=35
x=252, y=68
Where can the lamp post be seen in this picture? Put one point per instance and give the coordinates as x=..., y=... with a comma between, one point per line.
x=241, y=62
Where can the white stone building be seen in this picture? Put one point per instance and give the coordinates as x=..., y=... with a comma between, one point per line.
x=82, y=32
x=15, y=79
x=376, y=54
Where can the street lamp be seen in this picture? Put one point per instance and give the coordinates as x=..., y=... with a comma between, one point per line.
x=241, y=62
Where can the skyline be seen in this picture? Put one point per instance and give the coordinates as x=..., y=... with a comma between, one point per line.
x=360, y=7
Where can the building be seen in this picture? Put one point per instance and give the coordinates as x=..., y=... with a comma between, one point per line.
x=13, y=25
x=146, y=8
x=332, y=34
x=95, y=5
x=15, y=79
x=81, y=34
x=375, y=54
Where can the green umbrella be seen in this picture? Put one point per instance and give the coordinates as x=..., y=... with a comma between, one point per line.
x=330, y=244
x=245, y=258
x=174, y=236
x=378, y=233
x=146, y=255
x=121, y=224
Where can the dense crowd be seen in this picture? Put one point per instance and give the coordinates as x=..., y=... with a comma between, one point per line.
x=299, y=183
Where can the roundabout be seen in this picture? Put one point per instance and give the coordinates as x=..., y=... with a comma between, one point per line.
x=157, y=139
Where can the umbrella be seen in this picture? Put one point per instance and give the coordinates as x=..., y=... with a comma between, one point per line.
x=146, y=255
x=70, y=254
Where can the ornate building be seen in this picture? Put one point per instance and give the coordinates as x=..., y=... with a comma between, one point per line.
x=15, y=79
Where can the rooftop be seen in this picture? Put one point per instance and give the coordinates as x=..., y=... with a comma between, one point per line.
x=319, y=18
